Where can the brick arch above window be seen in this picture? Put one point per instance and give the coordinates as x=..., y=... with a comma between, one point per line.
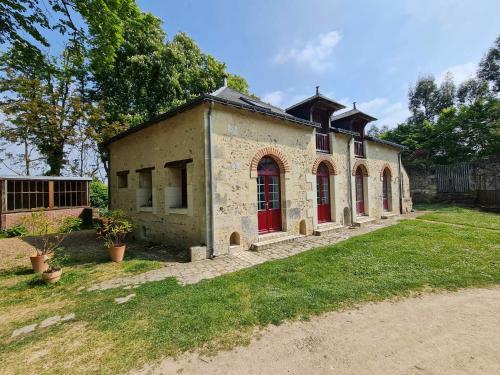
x=384, y=167
x=275, y=154
x=363, y=166
x=328, y=162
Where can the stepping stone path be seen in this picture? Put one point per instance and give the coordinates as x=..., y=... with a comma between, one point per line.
x=24, y=330
x=44, y=324
x=121, y=300
x=191, y=273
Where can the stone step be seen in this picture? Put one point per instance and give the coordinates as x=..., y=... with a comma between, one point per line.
x=387, y=215
x=362, y=221
x=264, y=244
x=327, y=228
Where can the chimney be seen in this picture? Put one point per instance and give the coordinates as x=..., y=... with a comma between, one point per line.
x=225, y=80
x=354, y=105
x=317, y=90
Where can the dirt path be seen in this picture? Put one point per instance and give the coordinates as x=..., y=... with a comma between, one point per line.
x=447, y=333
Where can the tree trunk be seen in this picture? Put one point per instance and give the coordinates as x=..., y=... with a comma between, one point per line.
x=55, y=159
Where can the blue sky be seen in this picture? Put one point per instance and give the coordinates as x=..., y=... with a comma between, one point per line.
x=363, y=51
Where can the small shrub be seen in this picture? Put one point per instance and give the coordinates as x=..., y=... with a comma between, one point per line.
x=114, y=227
x=49, y=232
x=58, y=259
x=72, y=224
x=99, y=195
x=16, y=231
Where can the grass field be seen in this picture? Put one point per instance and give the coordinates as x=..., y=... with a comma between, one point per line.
x=167, y=319
x=460, y=215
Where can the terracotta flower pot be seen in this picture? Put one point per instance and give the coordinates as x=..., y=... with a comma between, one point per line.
x=51, y=277
x=38, y=263
x=116, y=253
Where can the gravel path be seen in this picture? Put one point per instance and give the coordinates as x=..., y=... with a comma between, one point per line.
x=446, y=333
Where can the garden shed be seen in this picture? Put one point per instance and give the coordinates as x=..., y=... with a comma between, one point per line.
x=59, y=196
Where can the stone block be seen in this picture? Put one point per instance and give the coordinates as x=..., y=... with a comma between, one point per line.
x=198, y=253
x=24, y=330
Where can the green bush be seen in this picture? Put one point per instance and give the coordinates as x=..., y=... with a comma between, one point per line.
x=16, y=231
x=71, y=224
x=99, y=195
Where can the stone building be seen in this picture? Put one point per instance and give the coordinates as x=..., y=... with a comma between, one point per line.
x=227, y=171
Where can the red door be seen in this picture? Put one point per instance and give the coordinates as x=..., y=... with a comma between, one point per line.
x=323, y=194
x=268, y=196
x=360, y=200
x=385, y=190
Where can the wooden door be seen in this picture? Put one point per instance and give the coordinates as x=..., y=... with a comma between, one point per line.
x=323, y=194
x=385, y=190
x=268, y=196
x=360, y=199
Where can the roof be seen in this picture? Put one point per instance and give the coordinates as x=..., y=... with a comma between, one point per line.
x=45, y=178
x=387, y=143
x=353, y=112
x=234, y=96
x=225, y=96
x=317, y=98
x=345, y=131
x=369, y=138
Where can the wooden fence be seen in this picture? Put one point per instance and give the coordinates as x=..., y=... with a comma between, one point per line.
x=477, y=182
x=453, y=178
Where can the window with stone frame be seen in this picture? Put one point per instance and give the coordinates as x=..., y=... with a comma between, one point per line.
x=145, y=189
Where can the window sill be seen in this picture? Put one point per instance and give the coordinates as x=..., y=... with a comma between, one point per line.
x=146, y=209
x=178, y=210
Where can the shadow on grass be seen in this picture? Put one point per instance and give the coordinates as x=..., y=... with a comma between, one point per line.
x=84, y=248
x=16, y=271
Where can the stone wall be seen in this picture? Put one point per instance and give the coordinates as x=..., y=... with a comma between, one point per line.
x=238, y=137
x=242, y=138
x=483, y=184
x=178, y=138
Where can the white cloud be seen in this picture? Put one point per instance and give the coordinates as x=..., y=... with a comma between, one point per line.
x=282, y=98
x=315, y=54
x=372, y=105
x=393, y=114
x=276, y=98
x=460, y=73
x=387, y=113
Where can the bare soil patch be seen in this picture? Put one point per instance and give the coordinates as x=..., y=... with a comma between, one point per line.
x=443, y=333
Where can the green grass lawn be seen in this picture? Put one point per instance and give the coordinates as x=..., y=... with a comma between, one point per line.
x=460, y=215
x=167, y=319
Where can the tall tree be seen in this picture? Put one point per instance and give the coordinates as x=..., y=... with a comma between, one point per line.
x=137, y=72
x=489, y=67
x=445, y=96
x=117, y=70
x=22, y=19
x=423, y=99
x=22, y=104
x=472, y=90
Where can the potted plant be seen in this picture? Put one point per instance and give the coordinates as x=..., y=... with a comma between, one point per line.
x=54, y=270
x=113, y=229
x=48, y=233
